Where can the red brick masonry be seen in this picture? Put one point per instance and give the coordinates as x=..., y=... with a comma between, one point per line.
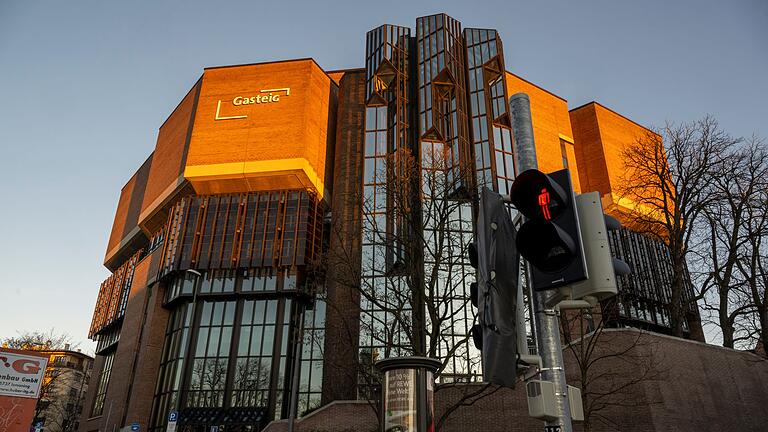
x=704, y=388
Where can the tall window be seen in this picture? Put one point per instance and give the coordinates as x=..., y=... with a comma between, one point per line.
x=228, y=353
x=253, y=370
x=310, y=384
x=211, y=357
x=103, y=383
x=172, y=362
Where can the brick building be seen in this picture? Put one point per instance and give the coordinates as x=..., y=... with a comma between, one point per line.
x=263, y=171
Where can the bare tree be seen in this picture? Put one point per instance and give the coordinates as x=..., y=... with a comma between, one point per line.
x=667, y=187
x=753, y=259
x=413, y=278
x=40, y=341
x=731, y=235
x=468, y=396
x=610, y=367
x=208, y=380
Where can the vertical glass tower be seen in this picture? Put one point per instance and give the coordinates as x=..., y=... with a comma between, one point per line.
x=437, y=129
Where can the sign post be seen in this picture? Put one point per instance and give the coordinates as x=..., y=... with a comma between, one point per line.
x=173, y=417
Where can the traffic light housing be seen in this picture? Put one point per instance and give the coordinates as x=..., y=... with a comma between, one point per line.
x=495, y=258
x=476, y=331
x=603, y=267
x=550, y=237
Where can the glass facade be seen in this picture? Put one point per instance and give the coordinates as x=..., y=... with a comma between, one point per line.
x=233, y=272
x=389, y=138
x=257, y=229
x=644, y=294
x=172, y=364
x=462, y=128
x=102, y=384
x=491, y=134
x=442, y=93
x=228, y=347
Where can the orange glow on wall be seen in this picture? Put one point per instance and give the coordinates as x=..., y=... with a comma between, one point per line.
x=551, y=128
x=261, y=127
x=601, y=135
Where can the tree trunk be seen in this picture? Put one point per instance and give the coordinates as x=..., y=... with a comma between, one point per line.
x=726, y=324
x=676, y=310
x=763, y=311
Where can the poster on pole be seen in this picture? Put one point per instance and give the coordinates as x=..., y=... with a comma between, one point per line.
x=400, y=400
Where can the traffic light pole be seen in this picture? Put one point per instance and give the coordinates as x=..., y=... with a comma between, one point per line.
x=545, y=321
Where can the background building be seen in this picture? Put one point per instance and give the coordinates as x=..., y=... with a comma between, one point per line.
x=221, y=239
x=62, y=394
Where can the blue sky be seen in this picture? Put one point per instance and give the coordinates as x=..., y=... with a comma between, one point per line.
x=84, y=86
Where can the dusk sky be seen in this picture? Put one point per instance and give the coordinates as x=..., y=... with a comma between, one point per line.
x=84, y=86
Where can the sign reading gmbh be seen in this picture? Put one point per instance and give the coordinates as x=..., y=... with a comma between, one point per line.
x=21, y=375
x=264, y=96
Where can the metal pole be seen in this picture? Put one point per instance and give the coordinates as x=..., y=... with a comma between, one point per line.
x=545, y=319
x=296, y=370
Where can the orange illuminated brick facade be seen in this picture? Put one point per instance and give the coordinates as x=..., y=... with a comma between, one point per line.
x=551, y=128
x=262, y=127
x=601, y=135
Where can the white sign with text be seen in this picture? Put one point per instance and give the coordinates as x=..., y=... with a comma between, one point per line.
x=21, y=375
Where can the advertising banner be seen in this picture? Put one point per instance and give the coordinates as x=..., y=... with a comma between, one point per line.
x=400, y=400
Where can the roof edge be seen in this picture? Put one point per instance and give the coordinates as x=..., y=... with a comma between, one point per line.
x=273, y=62
x=612, y=111
x=537, y=86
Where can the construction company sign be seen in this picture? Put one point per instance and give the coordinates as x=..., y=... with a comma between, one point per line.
x=21, y=375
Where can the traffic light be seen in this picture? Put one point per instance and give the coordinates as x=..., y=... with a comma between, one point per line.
x=495, y=258
x=549, y=239
x=603, y=267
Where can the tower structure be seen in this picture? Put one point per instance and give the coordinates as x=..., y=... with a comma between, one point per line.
x=437, y=129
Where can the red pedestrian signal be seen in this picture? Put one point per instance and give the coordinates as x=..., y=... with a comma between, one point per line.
x=544, y=204
x=549, y=239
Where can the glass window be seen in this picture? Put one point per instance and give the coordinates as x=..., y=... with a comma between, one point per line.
x=103, y=383
x=211, y=360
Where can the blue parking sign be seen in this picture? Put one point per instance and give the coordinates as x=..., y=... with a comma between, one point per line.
x=173, y=416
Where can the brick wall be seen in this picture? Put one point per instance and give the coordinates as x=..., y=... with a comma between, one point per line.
x=126, y=237
x=698, y=387
x=134, y=372
x=339, y=371
x=551, y=126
